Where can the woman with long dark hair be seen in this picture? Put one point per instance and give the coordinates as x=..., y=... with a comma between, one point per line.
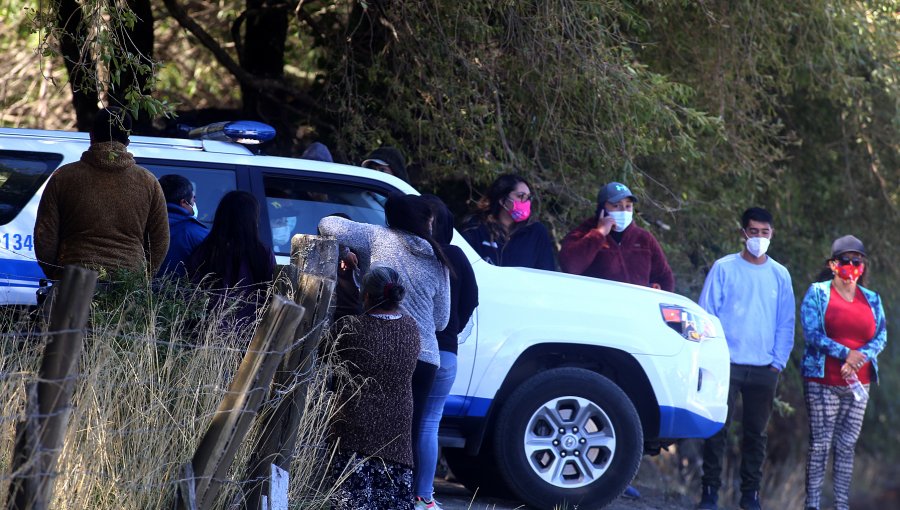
x=844, y=330
x=407, y=246
x=373, y=426
x=504, y=231
x=463, y=301
x=232, y=260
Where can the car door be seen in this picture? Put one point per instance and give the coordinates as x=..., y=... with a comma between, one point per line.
x=23, y=174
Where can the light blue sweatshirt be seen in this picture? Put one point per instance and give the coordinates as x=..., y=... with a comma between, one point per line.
x=755, y=304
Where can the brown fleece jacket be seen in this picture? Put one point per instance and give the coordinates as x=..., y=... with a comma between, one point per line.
x=103, y=211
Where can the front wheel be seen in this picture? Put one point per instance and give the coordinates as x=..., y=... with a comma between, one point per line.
x=568, y=436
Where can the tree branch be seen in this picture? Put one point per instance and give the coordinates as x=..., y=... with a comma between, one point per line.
x=264, y=85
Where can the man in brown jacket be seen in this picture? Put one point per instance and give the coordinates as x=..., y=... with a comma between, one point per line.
x=103, y=211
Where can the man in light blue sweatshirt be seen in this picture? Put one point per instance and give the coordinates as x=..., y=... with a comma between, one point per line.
x=752, y=296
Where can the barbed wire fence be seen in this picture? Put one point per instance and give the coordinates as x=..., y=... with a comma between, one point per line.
x=147, y=390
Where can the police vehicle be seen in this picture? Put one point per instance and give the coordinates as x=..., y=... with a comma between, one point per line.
x=563, y=382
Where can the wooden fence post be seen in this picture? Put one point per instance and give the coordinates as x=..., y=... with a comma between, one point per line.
x=32, y=487
x=314, y=263
x=240, y=404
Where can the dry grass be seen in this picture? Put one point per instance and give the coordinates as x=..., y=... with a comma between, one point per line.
x=154, y=369
x=676, y=473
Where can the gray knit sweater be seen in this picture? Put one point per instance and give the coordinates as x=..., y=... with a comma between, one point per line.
x=426, y=280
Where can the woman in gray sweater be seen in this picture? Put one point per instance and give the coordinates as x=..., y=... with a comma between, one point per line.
x=406, y=246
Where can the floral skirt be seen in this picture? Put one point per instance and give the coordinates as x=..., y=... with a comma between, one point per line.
x=370, y=483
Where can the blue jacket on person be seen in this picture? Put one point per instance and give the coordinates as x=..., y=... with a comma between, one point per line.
x=185, y=234
x=819, y=345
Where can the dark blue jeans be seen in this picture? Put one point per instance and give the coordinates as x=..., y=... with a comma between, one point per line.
x=756, y=386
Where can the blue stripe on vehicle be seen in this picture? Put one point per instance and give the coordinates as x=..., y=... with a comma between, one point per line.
x=20, y=270
x=461, y=405
x=675, y=422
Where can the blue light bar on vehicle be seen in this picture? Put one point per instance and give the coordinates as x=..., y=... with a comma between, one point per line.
x=246, y=132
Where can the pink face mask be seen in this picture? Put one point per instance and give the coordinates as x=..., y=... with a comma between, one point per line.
x=520, y=211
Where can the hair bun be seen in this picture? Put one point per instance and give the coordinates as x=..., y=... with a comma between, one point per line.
x=394, y=293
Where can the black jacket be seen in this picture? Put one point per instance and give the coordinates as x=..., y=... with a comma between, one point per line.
x=528, y=246
x=463, y=298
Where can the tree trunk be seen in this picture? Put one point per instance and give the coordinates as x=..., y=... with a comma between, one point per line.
x=139, y=41
x=79, y=66
x=265, y=32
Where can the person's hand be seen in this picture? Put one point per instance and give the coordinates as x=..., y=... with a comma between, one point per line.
x=855, y=359
x=847, y=370
x=349, y=261
x=605, y=222
x=656, y=286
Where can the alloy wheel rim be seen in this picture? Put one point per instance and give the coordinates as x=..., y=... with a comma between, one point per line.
x=569, y=442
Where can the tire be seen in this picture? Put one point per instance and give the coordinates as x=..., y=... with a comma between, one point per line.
x=478, y=473
x=584, y=435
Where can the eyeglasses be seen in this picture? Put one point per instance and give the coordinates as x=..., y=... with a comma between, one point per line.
x=521, y=196
x=846, y=261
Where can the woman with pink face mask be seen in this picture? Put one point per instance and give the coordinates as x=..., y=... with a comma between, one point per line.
x=503, y=230
x=844, y=327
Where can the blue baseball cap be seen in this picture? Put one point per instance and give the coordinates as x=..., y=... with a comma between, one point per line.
x=613, y=192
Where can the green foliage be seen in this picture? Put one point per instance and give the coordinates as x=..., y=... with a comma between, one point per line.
x=106, y=40
x=552, y=90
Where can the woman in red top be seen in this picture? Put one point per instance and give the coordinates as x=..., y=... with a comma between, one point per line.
x=844, y=329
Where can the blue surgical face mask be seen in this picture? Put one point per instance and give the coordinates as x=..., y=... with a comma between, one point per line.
x=623, y=219
x=281, y=236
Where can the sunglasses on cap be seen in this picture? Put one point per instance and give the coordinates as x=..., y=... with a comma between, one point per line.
x=846, y=261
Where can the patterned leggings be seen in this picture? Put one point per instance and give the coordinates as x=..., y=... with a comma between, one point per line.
x=835, y=419
x=369, y=483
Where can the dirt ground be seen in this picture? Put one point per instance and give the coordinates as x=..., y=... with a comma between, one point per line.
x=650, y=483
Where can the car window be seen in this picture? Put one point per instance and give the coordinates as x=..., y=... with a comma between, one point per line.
x=210, y=185
x=295, y=206
x=21, y=174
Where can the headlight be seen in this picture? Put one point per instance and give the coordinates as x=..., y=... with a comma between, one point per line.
x=692, y=326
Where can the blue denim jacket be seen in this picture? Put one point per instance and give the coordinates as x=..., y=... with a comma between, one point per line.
x=818, y=345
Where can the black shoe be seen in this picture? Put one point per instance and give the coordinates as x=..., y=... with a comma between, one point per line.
x=709, y=500
x=750, y=501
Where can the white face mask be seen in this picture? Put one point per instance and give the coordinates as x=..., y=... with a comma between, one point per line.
x=757, y=246
x=623, y=219
x=281, y=235
x=194, y=208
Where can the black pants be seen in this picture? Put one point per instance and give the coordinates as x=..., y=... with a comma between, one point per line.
x=423, y=379
x=756, y=385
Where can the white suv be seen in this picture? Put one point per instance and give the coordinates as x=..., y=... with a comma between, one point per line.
x=563, y=381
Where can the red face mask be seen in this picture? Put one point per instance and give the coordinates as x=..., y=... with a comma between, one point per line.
x=849, y=272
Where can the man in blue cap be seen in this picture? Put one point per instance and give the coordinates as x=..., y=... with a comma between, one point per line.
x=609, y=245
